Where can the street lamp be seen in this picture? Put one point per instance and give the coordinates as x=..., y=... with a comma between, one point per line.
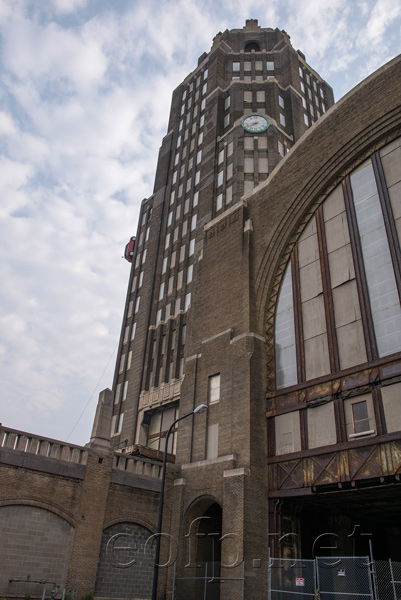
x=199, y=409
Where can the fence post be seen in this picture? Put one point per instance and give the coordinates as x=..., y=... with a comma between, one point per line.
x=392, y=578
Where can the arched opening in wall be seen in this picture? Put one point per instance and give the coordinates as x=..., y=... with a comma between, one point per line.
x=46, y=540
x=199, y=572
x=208, y=552
x=337, y=321
x=125, y=568
x=252, y=45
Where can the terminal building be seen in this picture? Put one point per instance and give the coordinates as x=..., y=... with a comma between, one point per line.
x=265, y=283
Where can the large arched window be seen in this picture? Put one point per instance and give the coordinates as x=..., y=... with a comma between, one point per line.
x=339, y=302
x=338, y=316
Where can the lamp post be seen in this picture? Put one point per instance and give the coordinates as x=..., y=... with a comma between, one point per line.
x=198, y=409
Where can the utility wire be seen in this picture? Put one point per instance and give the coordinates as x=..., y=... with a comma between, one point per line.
x=96, y=386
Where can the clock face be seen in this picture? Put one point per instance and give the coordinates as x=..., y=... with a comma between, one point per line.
x=255, y=123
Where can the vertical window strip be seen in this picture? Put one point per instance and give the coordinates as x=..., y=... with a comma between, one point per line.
x=360, y=275
x=382, y=287
x=388, y=219
x=299, y=330
x=285, y=353
x=327, y=292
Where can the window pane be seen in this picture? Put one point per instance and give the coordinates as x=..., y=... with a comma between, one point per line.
x=286, y=368
x=384, y=301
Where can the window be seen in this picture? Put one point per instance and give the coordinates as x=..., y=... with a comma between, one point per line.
x=286, y=367
x=302, y=86
x=360, y=417
x=202, y=121
x=177, y=158
x=161, y=291
x=144, y=255
x=220, y=157
x=167, y=242
x=219, y=178
x=203, y=104
x=113, y=425
x=140, y=279
x=187, y=301
x=125, y=391
x=301, y=73
x=270, y=65
x=192, y=247
x=219, y=201
x=199, y=157
x=138, y=301
x=189, y=273
x=193, y=222
x=382, y=287
x=197, y=177
x=118, y=394
x=178, y=142
x=147, y=234
x=164, y=267
x=182, y=253
x=204, y=88
x=172, y=196
x=227, y=120
x=227, y=102
x=280, y=149
x=214, y=388
x=126, y=333
x=133, y=331
x=212, y=441
x=304, y=103
x=170, y=218
x=282, y=120
x=158, y=316
x=172, y=262
x=306, y=120
x=129, y=361
x=196, y=198
x=200, y=138
x=159, y=424
x=321, y=93
x=181, y=125
x=236, y=66
x=179, y=280
x=205, y=74
x=281, y=101
x=122, y=362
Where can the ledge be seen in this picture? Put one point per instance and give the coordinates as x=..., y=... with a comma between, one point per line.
x=210, y=461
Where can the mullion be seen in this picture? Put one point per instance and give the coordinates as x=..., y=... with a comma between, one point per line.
x=327, y=293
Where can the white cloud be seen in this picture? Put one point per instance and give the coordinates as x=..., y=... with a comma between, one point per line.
x=85, y=89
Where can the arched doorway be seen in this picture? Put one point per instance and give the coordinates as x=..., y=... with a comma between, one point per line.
x=197, y=576
x=208, y=552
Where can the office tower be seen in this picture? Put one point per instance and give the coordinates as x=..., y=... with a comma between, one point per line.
x=232, y=120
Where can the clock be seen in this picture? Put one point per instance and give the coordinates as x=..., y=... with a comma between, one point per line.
x=255, y=123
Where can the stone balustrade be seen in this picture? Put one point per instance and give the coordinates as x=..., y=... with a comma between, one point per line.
x=138, y=465
x=21, y=441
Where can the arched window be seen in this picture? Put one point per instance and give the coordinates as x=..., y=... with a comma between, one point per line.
x=249, y=46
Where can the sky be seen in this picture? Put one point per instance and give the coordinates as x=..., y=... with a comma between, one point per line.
x=85, y=90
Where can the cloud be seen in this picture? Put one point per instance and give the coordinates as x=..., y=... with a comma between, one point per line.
x=85, y=89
